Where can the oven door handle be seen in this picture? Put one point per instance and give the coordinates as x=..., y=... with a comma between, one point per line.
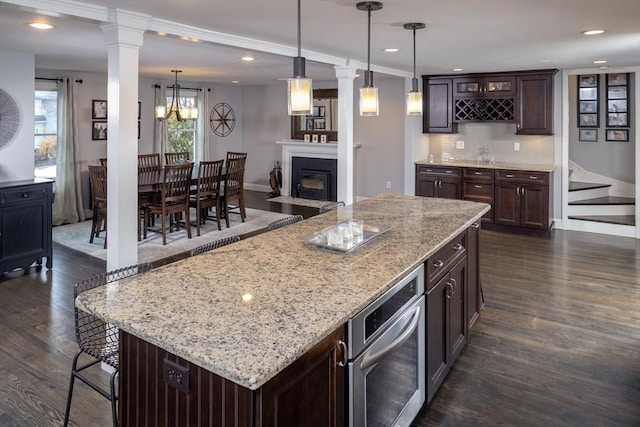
x=370, y=360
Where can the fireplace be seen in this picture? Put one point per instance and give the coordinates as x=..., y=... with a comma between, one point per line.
x=314, y=178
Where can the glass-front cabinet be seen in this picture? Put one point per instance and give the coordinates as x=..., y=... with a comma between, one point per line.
x=484, y=87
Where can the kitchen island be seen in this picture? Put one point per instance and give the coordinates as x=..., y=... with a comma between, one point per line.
x=245, y=320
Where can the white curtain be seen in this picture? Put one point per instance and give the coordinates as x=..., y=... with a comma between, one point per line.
x=67, y=206
x=159, y=126
x=203, y=121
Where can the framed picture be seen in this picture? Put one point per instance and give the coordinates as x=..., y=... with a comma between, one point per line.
x=309, y=125
x=139, y=111
x=99, y=109
x=99, y=131
x=619, y=79
x=617, y=106
x=617, y=92
x=588, y=80
x=321, y=111
x=617, y=119
x=588, y=120
x=589, y=135
x=319, y=124
x=316, y=111
x=588, y=106
x=618, y=135
x=587, y=93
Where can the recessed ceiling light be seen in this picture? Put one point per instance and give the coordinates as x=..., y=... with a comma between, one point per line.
x=600, y=61
x=235, y=81
x=391, y=49
x=458, y=69
x=41, y=25
x=592, y=32
x=248, y=58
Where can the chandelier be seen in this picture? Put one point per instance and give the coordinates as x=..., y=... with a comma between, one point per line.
x=182, y=113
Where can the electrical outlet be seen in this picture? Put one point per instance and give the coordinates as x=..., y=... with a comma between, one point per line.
x=176, y=376
x=388, y=184
x=460, y=145
x=516, y=146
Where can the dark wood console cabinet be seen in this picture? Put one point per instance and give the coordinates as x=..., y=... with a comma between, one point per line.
x=25, y=224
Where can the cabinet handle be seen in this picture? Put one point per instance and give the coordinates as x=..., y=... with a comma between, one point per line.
x=518, y=190
x=25, y=195
x=449, y=291
x=533, y=177
x=449, y=171
x=457, y=246
x=509, y=175
x=453, y=286
x=343, y=362
x=477, y=186
x=475, y=225
x=435, y=184
x=438, y=264
x=440, y=184
x=477, y=173
x=523, y=191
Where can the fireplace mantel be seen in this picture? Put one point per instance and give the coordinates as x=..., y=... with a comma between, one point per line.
x=304, y=149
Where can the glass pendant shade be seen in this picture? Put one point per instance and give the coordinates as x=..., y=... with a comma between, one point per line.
x=414, y=103
x=299, y=96
x=369, y=101
x=161, y=111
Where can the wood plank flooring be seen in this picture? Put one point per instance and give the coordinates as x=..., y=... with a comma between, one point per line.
x=558, y=342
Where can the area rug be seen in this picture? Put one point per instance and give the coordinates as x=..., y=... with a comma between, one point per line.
x=76, y=236
x=298, y=201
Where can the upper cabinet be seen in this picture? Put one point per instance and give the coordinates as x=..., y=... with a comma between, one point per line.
x=521, y=97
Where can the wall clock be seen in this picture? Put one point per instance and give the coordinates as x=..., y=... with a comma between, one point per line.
x=222, y=119
x=9, y=119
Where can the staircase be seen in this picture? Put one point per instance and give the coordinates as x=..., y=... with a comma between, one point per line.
x=591, y=202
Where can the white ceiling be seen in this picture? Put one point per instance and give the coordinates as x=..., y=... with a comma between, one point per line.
x=492, y=35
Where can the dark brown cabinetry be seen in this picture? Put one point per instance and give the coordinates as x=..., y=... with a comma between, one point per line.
x=485, y=86
x=534, y=106
x=308, y=392
x=522, y=199
x=438, y=181
x=438, y=108
x=25, y=224
x=478, y=186
x=474, y=288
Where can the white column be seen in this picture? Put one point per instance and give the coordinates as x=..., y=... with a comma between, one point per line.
x=123, y=38
x=345, y=75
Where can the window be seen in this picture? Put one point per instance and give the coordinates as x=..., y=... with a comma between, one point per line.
x=45, y=132
x=183, y=136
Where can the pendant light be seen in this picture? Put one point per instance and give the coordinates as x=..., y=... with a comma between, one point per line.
x=299, y=90
x=414, y=97
x=182, y=113
x=369, y=93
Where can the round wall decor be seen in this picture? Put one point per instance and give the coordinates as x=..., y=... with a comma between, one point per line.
x=222, y=119
x=9, y=119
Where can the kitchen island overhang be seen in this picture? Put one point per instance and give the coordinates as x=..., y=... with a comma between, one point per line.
x=299, y=294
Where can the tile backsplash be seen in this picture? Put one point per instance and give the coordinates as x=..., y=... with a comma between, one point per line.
x=498, y=137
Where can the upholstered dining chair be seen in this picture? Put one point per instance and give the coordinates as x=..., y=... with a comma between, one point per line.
x=291, y=219
x=208, y=193
x=214, y=245
x=173, y=200
x=234, y=184
x=148, y=162
x=176, y=158
x=98, y=339
x=98, y=181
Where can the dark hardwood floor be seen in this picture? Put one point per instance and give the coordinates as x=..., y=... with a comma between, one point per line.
x=558, y=342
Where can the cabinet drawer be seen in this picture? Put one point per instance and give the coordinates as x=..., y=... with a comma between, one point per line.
x=479, y=174
x=18, y=195
x=439, y=170
x=478, y=190
x=525, y=177
x=441, y=261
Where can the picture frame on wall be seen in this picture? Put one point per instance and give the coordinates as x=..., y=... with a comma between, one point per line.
x=617, y=79
x=99, y=109
x=99, y=130
x=588, y=120
x=588, y=135
x=588, y=106
x=617, y=106
x=588, y=93
x=617, y=92
x=617, y=119
x=588, y=80
x=621, y=135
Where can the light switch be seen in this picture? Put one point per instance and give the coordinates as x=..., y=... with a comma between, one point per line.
x=516, y=146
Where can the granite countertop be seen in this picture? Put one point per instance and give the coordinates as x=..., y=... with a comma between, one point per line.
x=300, y=293
x=536, y=167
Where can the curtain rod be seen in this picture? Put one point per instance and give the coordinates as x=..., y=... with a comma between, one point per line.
x=56, y=80
x=181, y=87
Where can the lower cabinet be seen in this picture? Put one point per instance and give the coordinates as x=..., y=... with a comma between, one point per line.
x=25, y=224
x=474, y=284
x=311, y=391
x=522, y=199
x=436, y=181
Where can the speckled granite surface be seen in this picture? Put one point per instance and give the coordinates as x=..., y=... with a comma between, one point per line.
x=301, y=293
x=536, y=167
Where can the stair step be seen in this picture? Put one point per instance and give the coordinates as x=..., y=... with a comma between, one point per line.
x=577, y=186
x=608, y=200
x=609, y=219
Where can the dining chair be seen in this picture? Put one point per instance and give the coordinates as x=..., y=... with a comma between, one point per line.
x=173, y=202
x=103, y=161
x=234, y=184
x=214, y=245
x=208, y=193
x=98, y=182
x=291, y=219
x=98, y=339
x=331, y=206
x=176, y=158
x=148, y=162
